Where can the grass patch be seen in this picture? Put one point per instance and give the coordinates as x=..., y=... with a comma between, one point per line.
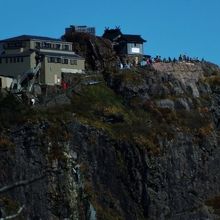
x=213, y=81
x=100, y=107
x=127, y=76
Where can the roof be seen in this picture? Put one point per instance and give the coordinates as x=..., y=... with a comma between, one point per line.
x=29, y=37
x=116, y=35
x=23, y=54
x=28, y=53
x=132, y=38
x=111, y=34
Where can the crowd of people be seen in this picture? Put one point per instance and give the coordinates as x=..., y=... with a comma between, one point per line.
x=148, y=61
x=182, y=58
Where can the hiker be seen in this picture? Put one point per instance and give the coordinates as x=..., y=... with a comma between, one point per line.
x=32, y=101
x=160, y=59
x=184, y=57
x=148, y=61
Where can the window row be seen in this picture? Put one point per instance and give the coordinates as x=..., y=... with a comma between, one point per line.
x=12, y=60
x=61, y=60
x=14, y=45
x=52, y=46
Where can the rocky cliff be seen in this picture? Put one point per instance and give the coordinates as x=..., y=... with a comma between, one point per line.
x=144, y=144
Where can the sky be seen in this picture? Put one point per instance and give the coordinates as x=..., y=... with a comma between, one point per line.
x=171, y=27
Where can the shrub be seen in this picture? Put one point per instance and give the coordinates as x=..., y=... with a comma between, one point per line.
x=213, y=81
x=205, y=131
x=5, y=143
x=12, y=112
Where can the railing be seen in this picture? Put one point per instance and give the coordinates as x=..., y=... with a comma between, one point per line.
x=17, y=83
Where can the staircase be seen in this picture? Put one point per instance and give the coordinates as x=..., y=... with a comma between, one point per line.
x=26, y=80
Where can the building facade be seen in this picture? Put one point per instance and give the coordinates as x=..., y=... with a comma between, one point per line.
x=23, y=53
x=128, y=45
x=82, y=29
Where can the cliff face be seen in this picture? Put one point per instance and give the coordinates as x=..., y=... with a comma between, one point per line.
x=145, y=145
x=183, y=178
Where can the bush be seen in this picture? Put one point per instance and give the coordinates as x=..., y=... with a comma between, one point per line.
x=5, y=143
x=12, y=112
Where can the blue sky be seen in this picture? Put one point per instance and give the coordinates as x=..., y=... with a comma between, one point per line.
x=170, y=27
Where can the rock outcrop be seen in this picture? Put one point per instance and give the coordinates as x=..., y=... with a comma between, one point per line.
x=98, y=52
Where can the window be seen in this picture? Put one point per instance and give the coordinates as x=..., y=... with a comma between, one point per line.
x=18, y=59
x=24, y=44
x=6, y=60
x=47, y=45
x=10, y=60
x=14, y=59
x=37, y=44
x=65, y=47
x=49, y=60
x=54, y=60
x=22, y=59
x=65, y=61
x=58, y=60
x=14, y=44
x=58, y=46
x=73, y=62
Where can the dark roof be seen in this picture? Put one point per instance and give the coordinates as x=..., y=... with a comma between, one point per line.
x=111, y=34
x=116, y=35
x=132, y=38
x=29, y=37
x=23, y=54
